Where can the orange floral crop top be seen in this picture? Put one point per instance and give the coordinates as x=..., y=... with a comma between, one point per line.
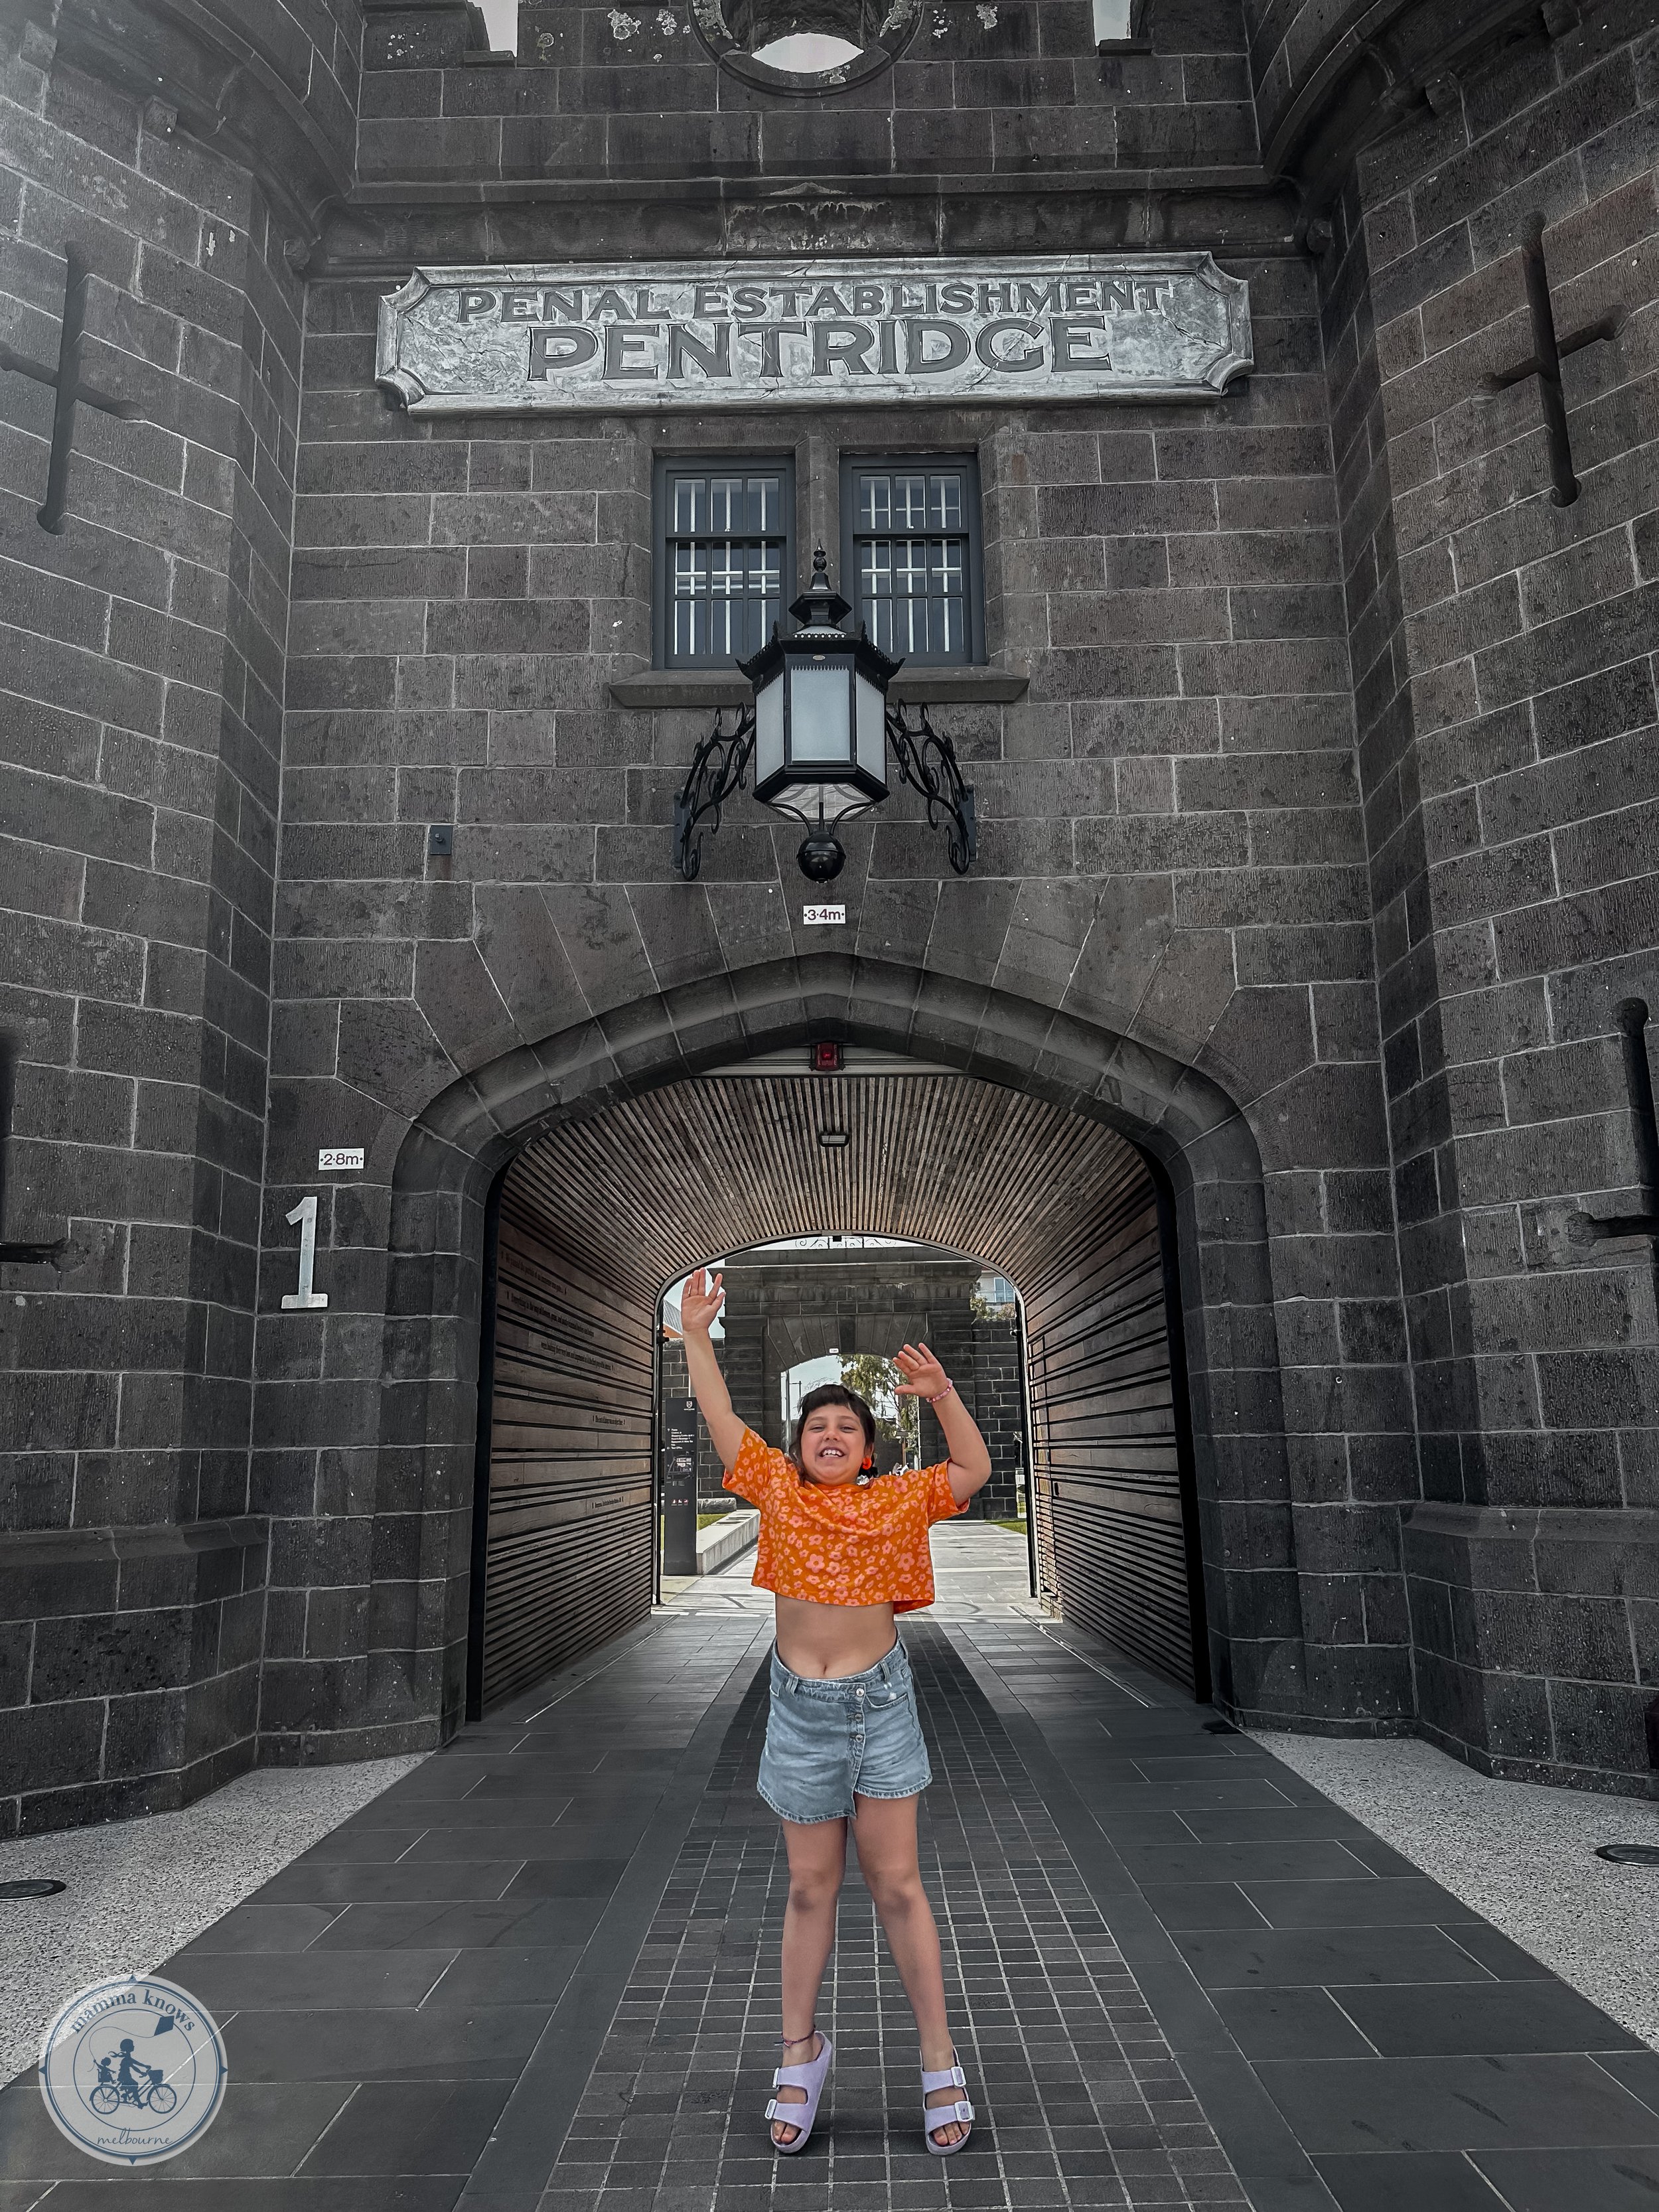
x=845, y=1544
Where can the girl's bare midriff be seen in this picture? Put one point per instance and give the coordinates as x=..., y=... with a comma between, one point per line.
x=823, y=1641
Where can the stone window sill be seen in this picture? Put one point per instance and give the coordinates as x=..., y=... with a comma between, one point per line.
x=719, y=687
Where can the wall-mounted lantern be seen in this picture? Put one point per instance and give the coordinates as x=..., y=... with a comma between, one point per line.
x=817, y=736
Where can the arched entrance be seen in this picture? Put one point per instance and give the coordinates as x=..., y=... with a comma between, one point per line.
x=664, y=1047
x=597, y=1214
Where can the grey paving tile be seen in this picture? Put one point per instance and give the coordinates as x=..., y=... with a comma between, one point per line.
x=1129, y=1793
x=448, y=1775
x=400, y=2193
x=1204, y=1904
x=459, y=1880
x=1289, y=2023
x=527, y=1922
x=1498, y=1954
x=1148, y=1826
x=410, y=2127
x=1196, y=1763
x=1635, y=2070
x=1455, y=2104
x=1381, y=1857
x=379, y=1845
x=281, y=1981
x=1276, y=2192
x=262, y=1928
x=1424, y=2181
x=443, y=2041
x=468, y=1813
x=1500, y=2017
x=1245, y=1824
x=1285, y=1957
x=561, y=1839
x=561, y=1877
x=1186, y=1726
x=1315, y=1860
x=1409, y=1901
x=263, y=2131
x=1574, y=2180
x=504, y=1974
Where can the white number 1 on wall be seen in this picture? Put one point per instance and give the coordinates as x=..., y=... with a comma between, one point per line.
x=305, y=1297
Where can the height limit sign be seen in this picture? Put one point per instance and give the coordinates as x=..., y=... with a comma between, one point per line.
x=833, y=917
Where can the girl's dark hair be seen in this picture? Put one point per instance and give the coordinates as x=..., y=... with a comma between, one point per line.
x=833, y=1394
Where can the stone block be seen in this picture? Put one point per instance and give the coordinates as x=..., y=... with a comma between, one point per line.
x=53, y=1745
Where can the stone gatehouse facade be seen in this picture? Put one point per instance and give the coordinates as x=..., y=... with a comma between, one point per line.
x=1314, y=741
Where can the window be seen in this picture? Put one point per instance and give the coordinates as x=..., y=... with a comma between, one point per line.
x=911, y=547
x=726, y=558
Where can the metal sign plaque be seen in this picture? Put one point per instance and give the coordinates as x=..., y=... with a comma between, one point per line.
x=662, y=335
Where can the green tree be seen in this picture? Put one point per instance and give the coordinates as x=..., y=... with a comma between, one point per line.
x=898, y=1419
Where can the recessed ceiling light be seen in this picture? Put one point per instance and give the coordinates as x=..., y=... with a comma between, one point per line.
x=834, y=1140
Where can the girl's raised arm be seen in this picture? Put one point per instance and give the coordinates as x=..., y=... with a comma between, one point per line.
x=970, y=1461
x=699, y=1305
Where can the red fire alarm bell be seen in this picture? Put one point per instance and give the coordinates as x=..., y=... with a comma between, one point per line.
x=826, y=1059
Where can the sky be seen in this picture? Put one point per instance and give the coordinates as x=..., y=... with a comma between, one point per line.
x=502, y=16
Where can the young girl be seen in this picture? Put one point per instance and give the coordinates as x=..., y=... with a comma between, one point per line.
x=843, y=1552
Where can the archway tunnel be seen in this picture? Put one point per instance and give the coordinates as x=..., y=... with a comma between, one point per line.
x=595, y=1218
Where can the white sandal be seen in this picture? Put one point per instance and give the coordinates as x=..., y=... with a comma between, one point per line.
x=810, y=2076
x=940, y=2116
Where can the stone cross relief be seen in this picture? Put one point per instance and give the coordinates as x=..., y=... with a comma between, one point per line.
x=1545, y=363
x=70, y=387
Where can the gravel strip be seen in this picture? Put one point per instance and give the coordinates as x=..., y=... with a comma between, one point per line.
x=139, y=1889
x=1522, y=1854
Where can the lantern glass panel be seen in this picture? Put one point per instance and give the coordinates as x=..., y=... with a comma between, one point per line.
x=872, y=714
x=820, y=714
x=769, y=729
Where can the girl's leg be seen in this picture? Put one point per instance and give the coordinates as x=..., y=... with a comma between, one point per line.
x=818, y=1860
x=886, y=1831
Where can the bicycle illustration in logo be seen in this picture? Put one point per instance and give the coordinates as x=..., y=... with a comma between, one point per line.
x=127, y=2080
x=133, y=2069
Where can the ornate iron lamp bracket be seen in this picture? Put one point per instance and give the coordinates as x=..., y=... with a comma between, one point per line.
x=927, y=763
x=718, y=768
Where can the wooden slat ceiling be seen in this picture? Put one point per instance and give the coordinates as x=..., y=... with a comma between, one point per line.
x=634, y=1197
x=700, y=1168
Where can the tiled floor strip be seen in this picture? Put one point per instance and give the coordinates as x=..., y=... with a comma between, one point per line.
x=1080, y=2101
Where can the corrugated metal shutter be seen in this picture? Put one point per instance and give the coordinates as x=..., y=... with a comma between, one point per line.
x=600, y=1212
x=1112, y=1542
x=568, y=1548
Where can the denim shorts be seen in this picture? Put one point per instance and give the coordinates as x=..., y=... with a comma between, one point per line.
x=853, y=1735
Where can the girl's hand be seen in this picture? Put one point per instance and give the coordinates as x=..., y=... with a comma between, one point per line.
x=923, y=1376
x=700, y=1302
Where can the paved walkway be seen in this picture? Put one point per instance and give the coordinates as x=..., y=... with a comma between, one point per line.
x=538, y=1973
